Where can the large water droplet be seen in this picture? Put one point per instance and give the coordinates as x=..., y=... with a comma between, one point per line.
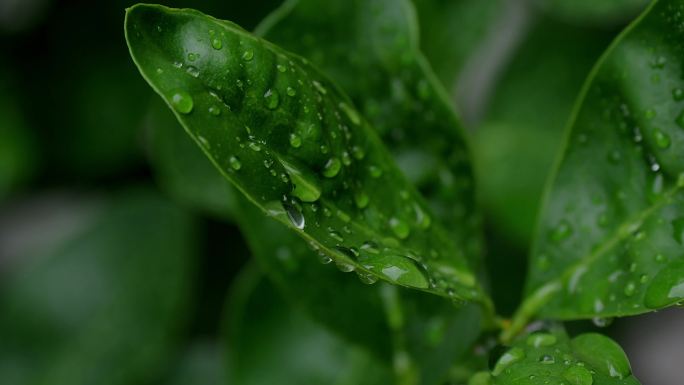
x=182, y=102
x=395, y=268
x=272, y=99
x=332, y=168
x=667, y=287
x=295, y=215
x=578, y=375
x=399, y=227
x=603, y=354
x=507, y=359
x=216, y=43
x=306, y=186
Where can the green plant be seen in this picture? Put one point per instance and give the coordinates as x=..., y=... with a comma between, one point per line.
x=366, y=163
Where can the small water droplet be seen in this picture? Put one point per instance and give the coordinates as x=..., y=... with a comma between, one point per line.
x=332, y=168
x=192, y=56
x=272, y=99
x=291, y=91
x=399, y=227
x=281, y=68
x=248, y=55
x=602, y=322
x=344, y=267
x=216, y=43
x=295, y=140
x=630, y=288
x=361, y=199
x=367, y=278
x=547, y=359
x=215, y=110
x=677, y=94
x=235, y=163
x=661, y=138
x=375, y=171
x=358, y=152
x=182, y=102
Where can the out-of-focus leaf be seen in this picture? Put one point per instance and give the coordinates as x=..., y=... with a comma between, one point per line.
x=105, y=307
x=272, y=343
x=294, y=144
x=17, y=147
x=609, y=238
x=202, y=364
x=553, y=358
x=370, y=48
x=451, y=30
x=516, y=144
x=433, y=333
x=183, y=170
x=593, y=12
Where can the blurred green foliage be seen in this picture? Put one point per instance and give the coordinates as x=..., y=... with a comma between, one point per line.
x=136, y=296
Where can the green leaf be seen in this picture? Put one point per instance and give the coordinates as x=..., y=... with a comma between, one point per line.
x=553, y=358
x=402, y=100
x=203, y=363
x=593, y=12
x=293, y=143
x=272, y=343
x=451, y=30
x=104, y=307
x=432, y=333
x=609, y=237
x=182, y=170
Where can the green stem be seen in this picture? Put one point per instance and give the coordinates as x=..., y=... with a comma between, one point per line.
x=529, y=308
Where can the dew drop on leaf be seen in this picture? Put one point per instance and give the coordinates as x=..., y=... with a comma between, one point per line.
x=214, y=110
x=248, y=55
x=216, y=43
x=295, y=140
x=399, y=228
x=561, y=232
x=272, y=99
x=662, y=139
x=182, y=102
x=541, y=339
x=547, y=359
x=295, y=215
x=332, y=168
x=235, y=163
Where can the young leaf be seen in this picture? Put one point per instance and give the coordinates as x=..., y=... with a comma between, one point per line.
x=295, y=146
x=104, y=306
x=553, y=358
x=610, y=236
x=271, y=343
x=402, y=99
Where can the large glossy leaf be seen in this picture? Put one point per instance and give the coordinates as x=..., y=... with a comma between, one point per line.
x=553, y=358
x=272, y=343
x=401, y=99
x=609, y=238
x=104, y=307
x=294, y=144
x=181, y=168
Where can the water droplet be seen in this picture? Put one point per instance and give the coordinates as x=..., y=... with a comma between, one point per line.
x=358, y=152
x=399, y=228
x=192, y=56
x=375, y=171
x=248, y=55
x=216, y=43
x=295, y=140
x=306, y=186
x=235, y=163
x=367, y=278
x=351, y=113
x=507, y=359
x=215, y=110
x=291, y=91
x=335, y=235
x=361, y=199
x=602, y=322
x=344, y=267
x=602, y=353
x=324, y=258
x=254, y=146
x=547, y=359
x=541, y=339
x=395, y=268
x=272, y=99
x=630, y=288
x=332, y=168
x=346, y=158
x=182, y=102
x=578, y=375
x=295, y=215
x=281, y=68
x=562, y=231
x=662, y=139
x=667, y=287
